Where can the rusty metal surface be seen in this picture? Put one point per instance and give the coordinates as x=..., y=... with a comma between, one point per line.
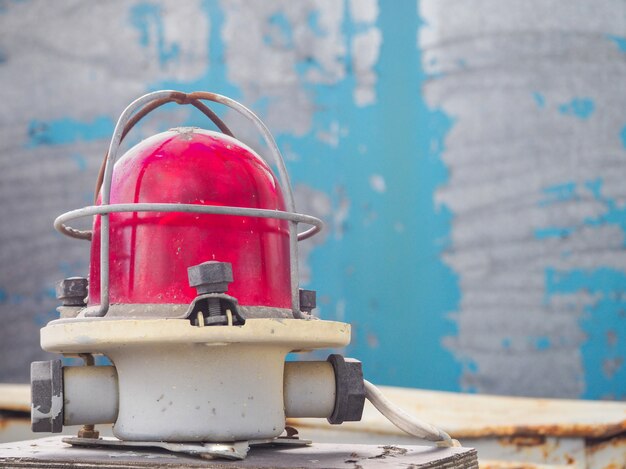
x=608, y=454
x=482, y=416
x=508, y=433
x=495, y=464
x=15, y=397
x=510, y=453
x=547, y=451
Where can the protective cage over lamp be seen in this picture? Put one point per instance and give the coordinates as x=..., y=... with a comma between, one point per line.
x=193, y=295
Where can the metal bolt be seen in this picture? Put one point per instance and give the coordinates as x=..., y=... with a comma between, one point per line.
x=72, y=291
x=46, y=387
x=210, y=277
x=88, y=431
x=307, y=300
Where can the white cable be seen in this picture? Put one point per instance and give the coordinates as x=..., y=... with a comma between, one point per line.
x=404, y=421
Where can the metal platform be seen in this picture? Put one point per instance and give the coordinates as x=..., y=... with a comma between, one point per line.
x=52, y=453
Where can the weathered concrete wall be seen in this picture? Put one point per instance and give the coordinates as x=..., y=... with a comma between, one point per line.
x=467, y=158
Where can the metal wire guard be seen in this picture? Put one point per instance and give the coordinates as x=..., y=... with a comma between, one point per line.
x=130, y=113
x=60, y=222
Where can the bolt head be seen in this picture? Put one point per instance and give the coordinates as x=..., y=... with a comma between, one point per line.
x=307, y=300
x=46, y=386
x=72, y=291
x=210, y=277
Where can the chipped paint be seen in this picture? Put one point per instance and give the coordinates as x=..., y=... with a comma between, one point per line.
x=377, y=183
x=56, y=407
x=537, y=244
x=472, y=189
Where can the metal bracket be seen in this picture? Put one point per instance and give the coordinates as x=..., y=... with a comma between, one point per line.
x=200, y=305
x=233, y=450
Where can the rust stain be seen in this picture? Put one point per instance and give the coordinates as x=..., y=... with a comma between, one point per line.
x=610, y=453
x=556, y=430
x=8, y=420
x=520, y=440
x=559, y=430
x=602, y=445
x=529, y=445
x=494, y=464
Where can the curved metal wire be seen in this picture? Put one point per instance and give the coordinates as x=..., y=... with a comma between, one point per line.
x=60, y=222
x=176, y=97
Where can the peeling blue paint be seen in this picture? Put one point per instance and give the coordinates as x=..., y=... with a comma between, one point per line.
x=578, y=107
x=559, y=193
x=387, y=290
x=147, y=18
x=595, y=187
x=614, y=214
x=620, y=42
x=542, y=343
x=313, y=20
x=604, y=312
x=554, y=232
x=413, y=285
x=604, y=317
x=622, y=136
x=67, y=130
x=214, y=77
x=283, y=36
x=471, y=366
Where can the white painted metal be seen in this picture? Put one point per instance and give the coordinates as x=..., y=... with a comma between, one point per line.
x=90, y=395
x=309, y=389
x=179, y=382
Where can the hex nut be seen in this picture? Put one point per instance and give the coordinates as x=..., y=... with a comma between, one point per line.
x=349, y=389
x=72, y=291
x=46, y=385
x=308, y=300
x=88, y=431
x=210, y=277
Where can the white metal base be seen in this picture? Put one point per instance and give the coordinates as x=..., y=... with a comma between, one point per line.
x=183, y=383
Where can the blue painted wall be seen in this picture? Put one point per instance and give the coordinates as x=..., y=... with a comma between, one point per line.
x=468, y=161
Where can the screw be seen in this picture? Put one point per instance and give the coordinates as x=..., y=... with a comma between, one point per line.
x=210, y=277
x=72, y=291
